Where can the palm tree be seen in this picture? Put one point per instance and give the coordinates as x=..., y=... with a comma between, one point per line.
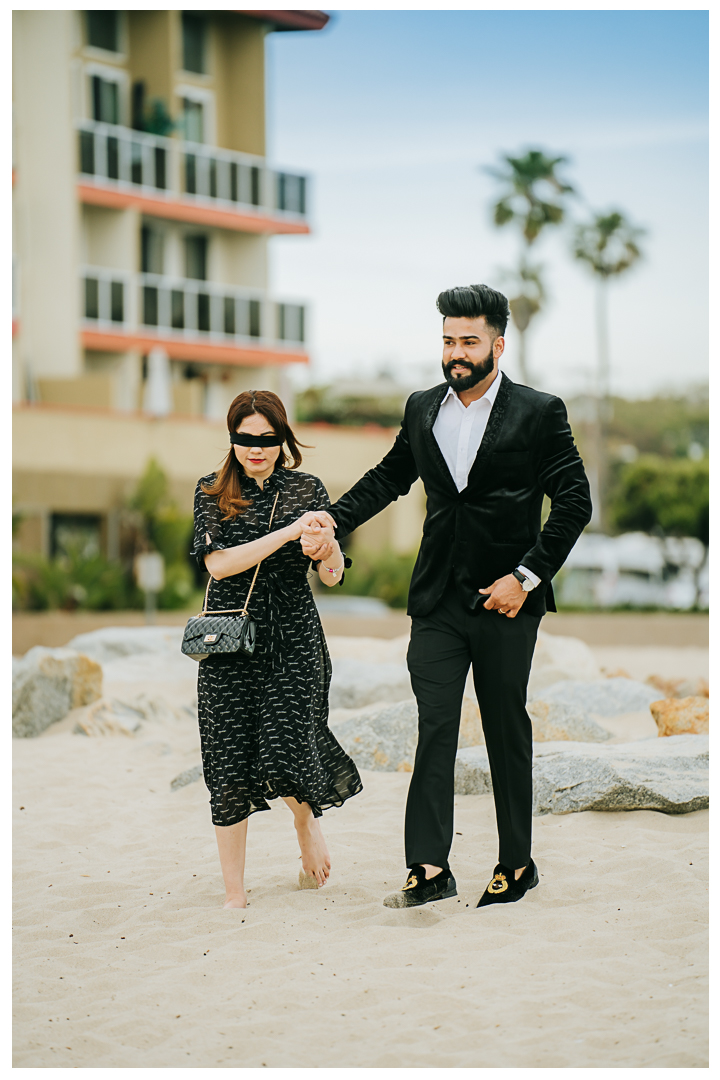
x=528, y=288
x=534, y=197
x=609, y=245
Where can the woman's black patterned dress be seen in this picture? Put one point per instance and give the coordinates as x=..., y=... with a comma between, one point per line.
x=264, y=718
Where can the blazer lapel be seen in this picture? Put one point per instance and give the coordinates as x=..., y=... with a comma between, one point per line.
x=435, y=451
x=493, y=429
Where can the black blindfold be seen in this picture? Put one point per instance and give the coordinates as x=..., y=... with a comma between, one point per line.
x=255, y=440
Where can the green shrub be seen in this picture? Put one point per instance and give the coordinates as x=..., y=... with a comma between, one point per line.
x=71, y=581
x=668, y=495
x=76, y=579
x=385, y=574
x=179, y=586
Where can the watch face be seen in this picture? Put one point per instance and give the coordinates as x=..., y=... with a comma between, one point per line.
x=527, y=585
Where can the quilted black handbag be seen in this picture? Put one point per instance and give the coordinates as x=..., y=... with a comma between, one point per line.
x=229, y=631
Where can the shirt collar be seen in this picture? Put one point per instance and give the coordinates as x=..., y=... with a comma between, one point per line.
x=489, y=395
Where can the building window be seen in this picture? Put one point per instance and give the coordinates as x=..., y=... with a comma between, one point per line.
x=75, y=535
x=117, y=301
x=103, y=30
x=291, y=193
x=194, y=39
x=92, y=298
x=193, y=121
x=151, y=250
x=196, y=248
x=105, y=100
x=291, y=322
x=150, y=305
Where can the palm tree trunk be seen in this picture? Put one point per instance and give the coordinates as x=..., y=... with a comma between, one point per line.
x=602, y=398
x=603, y=351
x=522, y=358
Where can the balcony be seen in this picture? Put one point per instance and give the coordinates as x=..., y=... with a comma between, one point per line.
x=191, y=320
x=184, y=181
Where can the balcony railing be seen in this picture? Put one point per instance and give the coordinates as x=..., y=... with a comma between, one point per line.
x=104, y=297
x=187, y=309
x=133, y=159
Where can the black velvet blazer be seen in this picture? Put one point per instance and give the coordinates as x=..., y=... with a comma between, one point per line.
x=484, y=532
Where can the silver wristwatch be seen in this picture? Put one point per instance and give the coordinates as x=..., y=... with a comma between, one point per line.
x=526, y=583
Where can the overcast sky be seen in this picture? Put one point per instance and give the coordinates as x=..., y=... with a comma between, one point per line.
x=395, y=113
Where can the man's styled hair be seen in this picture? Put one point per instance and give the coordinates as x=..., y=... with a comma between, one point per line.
x=471, y=301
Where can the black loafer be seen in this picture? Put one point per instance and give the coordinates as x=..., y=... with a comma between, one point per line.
x=504, y=889
x=418, y=890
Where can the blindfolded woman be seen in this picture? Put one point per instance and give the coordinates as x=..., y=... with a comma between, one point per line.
x=264, y=718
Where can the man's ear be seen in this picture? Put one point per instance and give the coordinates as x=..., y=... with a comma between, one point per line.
x=498, y=347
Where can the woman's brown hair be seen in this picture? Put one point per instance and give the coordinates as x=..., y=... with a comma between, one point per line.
x=227, y=485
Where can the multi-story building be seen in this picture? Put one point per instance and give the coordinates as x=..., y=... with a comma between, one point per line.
x=143, y=210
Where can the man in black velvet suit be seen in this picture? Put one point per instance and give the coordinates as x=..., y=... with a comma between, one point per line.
x=486, y=450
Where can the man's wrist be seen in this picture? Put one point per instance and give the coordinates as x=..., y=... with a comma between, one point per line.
x=526, y=578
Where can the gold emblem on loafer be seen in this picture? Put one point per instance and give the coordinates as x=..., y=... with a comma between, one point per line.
x=410, y=883
x=498, y=884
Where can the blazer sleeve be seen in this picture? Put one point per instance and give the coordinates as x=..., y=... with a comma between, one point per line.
x=562, y=476
x=391, y=478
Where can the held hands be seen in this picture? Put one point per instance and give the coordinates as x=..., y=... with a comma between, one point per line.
x=305, y=523
x=315, y=531
x=505, y=596
x=318, y=541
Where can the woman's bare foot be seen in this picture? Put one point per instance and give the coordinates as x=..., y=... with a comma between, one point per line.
x=315, y=854
x=235, y=901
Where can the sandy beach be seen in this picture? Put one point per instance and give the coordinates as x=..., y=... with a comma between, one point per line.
x=125, y=958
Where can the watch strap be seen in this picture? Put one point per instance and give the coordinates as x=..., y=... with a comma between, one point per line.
x=527, y=583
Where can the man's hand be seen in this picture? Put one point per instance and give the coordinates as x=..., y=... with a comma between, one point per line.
x=308, y=520
x=506, y=595
x=317, y=541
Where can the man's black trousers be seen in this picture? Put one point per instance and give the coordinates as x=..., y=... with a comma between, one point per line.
x=443, y=644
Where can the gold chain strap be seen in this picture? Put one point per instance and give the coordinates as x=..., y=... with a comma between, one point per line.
x=243, y=610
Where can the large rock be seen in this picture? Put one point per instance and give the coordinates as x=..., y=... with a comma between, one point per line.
x=188, y=776
x=116, y=716
x=47, y=684
x=372, y=650
x=558, y=658
x=381, y=739
x=670, y=775
x=553, y=722
x=115, y=642
x=679, y=688
x=139, y=654
x=357, y=683
x=108, y=716
x=369, y=670
x=601, y=697
x=384, y=738
x=471, y=730
x=679, y=716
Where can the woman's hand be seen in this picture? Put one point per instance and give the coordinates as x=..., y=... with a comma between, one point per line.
x=318, y=542
x=319, y=518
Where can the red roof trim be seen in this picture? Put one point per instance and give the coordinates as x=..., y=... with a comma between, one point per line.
x=198, y=351
x=291, y=20
x=195, y=213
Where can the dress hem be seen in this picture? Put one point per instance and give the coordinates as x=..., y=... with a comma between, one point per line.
x=317, y=808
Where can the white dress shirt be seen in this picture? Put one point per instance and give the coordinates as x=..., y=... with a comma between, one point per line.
x=459, y=430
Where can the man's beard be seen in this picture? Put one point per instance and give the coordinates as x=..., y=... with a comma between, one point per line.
x=478, y=372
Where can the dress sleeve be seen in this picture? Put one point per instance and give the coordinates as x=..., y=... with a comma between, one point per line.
x=208, y=534
x=322, y=502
